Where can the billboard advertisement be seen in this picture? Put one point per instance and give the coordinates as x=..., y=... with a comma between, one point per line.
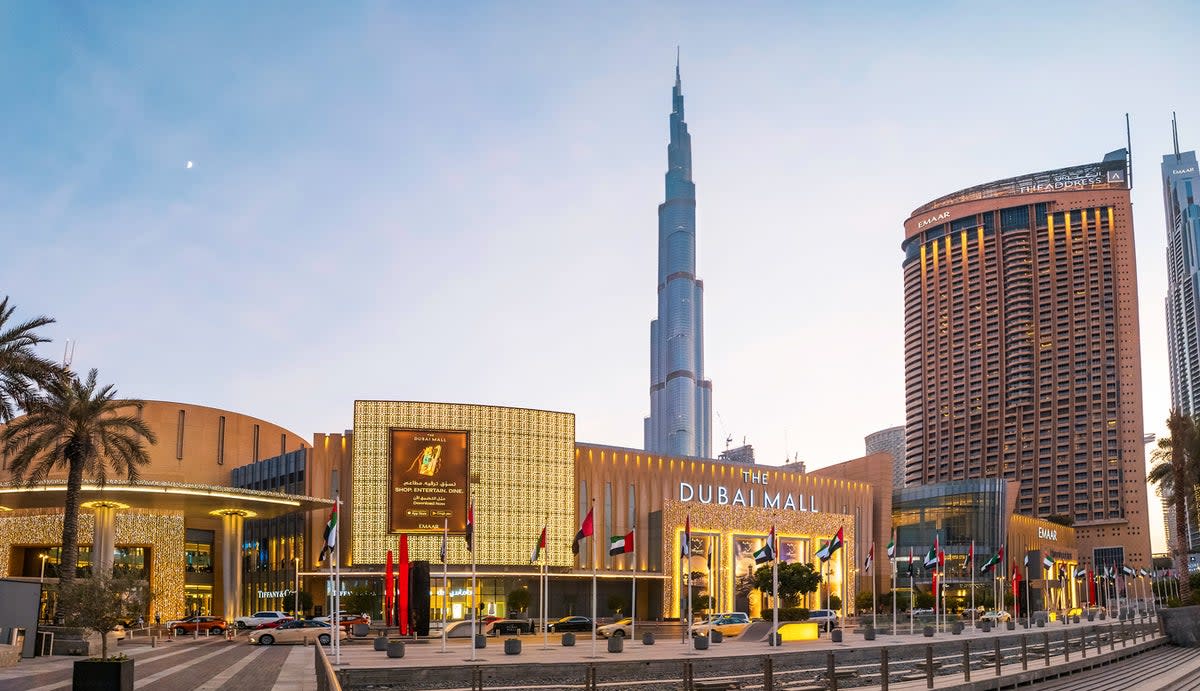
x=428, y=479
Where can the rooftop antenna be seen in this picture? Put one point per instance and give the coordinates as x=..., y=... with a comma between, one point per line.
x=1128, y=153
x=1175, y=134
x=68, y=353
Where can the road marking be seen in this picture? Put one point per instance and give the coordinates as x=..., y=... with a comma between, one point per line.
x=141, y=683
x=220, y=679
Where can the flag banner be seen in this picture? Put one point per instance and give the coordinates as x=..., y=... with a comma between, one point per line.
x=870, y=559
x=585, y=530
x=330, y=535
x=442, y=551
x=1080, y=572
x=537, y=548
x=767, y=552
x=1128, y=570
x=931, y=558
x=830, y=547
x=469, y=535
x=891, y=546
x=1047, y=561
x=971, y=556
x=685, y=544
x=1026, y=561
x=620, y=544
x=990, y=563
x=1143, y=572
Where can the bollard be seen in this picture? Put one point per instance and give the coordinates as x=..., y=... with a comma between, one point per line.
x=831, y=670
x=700, y=643
x=648, y=638
x=836, y=636
x=929, y=666
x=716, y=636
x=883, y=669
x=997, y=642
x=1024, y=654
x=480, y=641
x=568, y=639
x=616, y=644
x=395, y=649
x=769, y=674
x=1046, y=647
x=154, y=641
x=512, y=646
x=967, y=660
x=381, y=643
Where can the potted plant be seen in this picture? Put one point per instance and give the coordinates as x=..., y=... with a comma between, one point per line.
x=99, y=604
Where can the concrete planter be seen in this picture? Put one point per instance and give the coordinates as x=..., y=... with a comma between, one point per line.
x=568, y=639
x=927, y=631
x=1091, y=616
x=869, y=634
x=1075, y=619
x=987, y=627
x=1103, y=615
x=1182, y=625
x=648, y=638
x=956, y=628
x=616, y=644
x=512, y=646
x=381, y=643
x=395, y=649
x=1010, y=625
x=102, y=675
x=700, y=643
x=716, y=636
x=775, y=640
x=1041, y=624
x=480, y=640
x=836, y=636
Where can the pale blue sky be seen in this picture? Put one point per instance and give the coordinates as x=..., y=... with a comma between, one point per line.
x=456, y=202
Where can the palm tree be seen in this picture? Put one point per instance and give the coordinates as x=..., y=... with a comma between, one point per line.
x=84, y=428
x=1176, y=471
x=21, y=369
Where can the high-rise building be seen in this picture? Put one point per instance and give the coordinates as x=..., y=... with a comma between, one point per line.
x=1181, y=185
x=680, y=420
x=889, y=441
x=1022, y=351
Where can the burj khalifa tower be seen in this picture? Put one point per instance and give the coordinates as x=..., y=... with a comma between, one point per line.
x=680, y=421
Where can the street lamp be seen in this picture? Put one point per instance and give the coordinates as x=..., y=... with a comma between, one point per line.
x=43, y=556
x=296, y=592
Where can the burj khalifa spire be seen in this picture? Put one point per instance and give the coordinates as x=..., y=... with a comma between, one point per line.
x=680, y=420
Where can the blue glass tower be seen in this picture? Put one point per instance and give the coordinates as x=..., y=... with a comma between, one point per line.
x=680, y=419
x=1181, y=187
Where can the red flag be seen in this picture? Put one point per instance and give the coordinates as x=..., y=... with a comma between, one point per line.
x=685, y=545
x=388, y=586
x=470, y=534
x=585, y=530
x=403, y=588
x=971, y=557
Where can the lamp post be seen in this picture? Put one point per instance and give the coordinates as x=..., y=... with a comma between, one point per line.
x=42, y=577
x=296, y=592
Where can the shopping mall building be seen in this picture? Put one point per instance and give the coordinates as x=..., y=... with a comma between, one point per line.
x=226, y=522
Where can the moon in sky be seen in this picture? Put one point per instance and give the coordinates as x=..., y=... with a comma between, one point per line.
x=189, y=164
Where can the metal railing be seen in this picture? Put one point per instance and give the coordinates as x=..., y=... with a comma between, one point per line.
x=326, y=678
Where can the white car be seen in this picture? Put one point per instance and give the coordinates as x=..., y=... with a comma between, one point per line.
x=824, y=617
x=254, y=620
x=618, y=629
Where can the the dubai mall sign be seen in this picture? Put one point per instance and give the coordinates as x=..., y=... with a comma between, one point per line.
x=749, y=497
x=428, y=479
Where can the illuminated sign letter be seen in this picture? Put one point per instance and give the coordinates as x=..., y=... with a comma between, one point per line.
x=722, y=495
x=771, y=501
x=789, y=504
x=686, y=491
x=738, y=498
x=705, y=499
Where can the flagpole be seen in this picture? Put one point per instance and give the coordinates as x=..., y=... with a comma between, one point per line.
x=972, y=567
x=633, y=594
x=445, y=581
x=910, y=592
x=687, y=535
x=1028, y=604
x=594, y=560
x=474, y=584
x=892, y=563
x=874, y=594
x=775, y=641
x=337, y=582
x=711, y=599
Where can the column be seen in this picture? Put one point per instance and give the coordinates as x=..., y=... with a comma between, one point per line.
x=232, y=522
x=104, y=536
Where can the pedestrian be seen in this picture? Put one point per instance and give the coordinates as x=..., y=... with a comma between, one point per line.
x=141, y=622
x=158, y=618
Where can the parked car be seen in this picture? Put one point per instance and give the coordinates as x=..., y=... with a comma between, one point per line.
x=923, y=612
x=498, y=627
x=618, y=629
x=729, y=624
x=462, y=628
x=252, y=621
x=996, y=616
x=295, y=631
x=824, y=617
x=347, y=620
x=570, y=624
x=274, y=623
x=182, y=627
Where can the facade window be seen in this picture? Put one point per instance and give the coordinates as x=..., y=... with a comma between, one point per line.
x=179, y=437
x=221, y=441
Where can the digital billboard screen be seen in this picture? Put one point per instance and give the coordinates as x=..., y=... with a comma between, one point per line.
x=429, y=478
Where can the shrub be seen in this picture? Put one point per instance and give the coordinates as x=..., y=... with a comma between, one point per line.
x=790, y=614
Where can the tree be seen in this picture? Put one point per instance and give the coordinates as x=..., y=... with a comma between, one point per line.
x=864, y=601
x=794, y=579
x=616, y=603
x=703, y=603
x=924, y=600
x=83, y=427
x=835, y=602
x=102, y=602
x=21, y=369
x=306, y=602
x=1176, y=471
x=362, y=600
x=518, y=600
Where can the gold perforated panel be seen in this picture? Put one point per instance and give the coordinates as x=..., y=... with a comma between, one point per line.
x=162, y=533
x=522, y=475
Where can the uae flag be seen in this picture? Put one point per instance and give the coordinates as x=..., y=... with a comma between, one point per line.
x=585, y=530
x=620, y=544
x=870, y=559
x=830, y=547
x=1128, y=570
x=931, y=557
x=1143, y=572
x=1047, y=562
x=767, y=552
x=537, y=548
x=891, y=547
x=1080, y=572
x=992, y=562
x=330, y=535
x=470, y=534
x=971, y=556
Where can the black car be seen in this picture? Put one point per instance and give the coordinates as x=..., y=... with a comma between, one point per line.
x=570, y=624
x=499, y=627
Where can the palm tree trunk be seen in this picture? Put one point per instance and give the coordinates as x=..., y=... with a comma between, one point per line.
x=1180, y=553
x=70, y=531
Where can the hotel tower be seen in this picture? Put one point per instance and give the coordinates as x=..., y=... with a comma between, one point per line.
x=1022, y=353
x=680, y=418
x=1181, y=184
